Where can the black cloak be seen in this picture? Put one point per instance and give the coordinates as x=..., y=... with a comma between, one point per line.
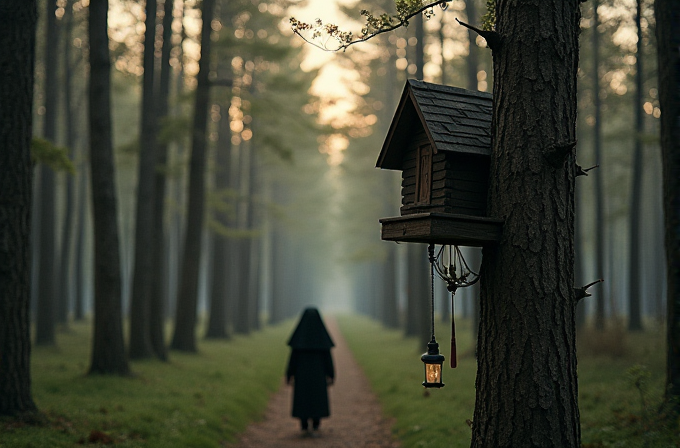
x=311, y=366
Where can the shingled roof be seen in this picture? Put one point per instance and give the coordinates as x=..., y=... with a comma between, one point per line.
x=454, y=119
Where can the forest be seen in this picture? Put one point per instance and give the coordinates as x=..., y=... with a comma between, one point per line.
x=180, y=179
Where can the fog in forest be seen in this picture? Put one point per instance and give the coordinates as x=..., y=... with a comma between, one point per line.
x=292, y=195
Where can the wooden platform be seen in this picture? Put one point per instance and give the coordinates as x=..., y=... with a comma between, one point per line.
x=443, y=228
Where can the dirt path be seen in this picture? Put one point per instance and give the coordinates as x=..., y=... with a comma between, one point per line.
x=356, y=419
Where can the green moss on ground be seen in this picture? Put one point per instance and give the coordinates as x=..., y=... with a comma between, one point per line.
x=196, y=400
x=615, y=412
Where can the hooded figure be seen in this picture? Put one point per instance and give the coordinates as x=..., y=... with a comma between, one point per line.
x=311, y=368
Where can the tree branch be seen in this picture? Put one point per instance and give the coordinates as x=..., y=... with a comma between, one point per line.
x=584, y=172
x=556, y=153
x=374, y=25
x=582, y=292
x=493, y=39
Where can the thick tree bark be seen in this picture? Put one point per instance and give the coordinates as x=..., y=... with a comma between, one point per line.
x=184, y=337
x=635, y=274
x=157, y=291
x=47, y=297
x=140, y=336
x=527, y=394
x=108, y=348
x=668, y=38
x=17, y=52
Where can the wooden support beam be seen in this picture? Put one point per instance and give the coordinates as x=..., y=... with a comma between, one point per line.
x=443, y=228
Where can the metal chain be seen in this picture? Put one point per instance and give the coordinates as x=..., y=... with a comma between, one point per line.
x=432, y=261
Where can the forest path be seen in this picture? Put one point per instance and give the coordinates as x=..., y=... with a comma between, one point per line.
x=356, y=419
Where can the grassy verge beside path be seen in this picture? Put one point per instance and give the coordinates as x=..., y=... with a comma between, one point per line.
x=195, y=400
x=620, y=386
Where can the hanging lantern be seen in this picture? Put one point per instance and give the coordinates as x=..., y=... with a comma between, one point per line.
x=432, y=359
x=451, y=267
x=433, y=365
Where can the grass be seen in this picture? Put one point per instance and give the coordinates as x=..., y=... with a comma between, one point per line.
x=206, y=399
x=195, y=400
x=392, y=363
x=615, y=412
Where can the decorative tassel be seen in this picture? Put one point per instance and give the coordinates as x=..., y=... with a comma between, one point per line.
x=454, y=359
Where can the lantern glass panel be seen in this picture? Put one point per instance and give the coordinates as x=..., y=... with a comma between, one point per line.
x=433, y=366
x=433, y=373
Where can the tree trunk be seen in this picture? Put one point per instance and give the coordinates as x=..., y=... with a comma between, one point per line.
x=527, y=393
x=157, y=291
x=65, y=264
x=390, y=308
x=418, y=294
x=472, y=67
x=140, y=336
x=277, y=305
x=412, y=303
x=219, y=291
x=108, y=349
x=47, y=299
x=82, y=225
x=418, y=298
x=254, y=226
x=281, y=255
x=635, y=274
x=472, y=62
x=242, y=262
x=184, y=337
x=420, y=46
x=598, y=173
x=668, y=38
x=390, y=312
x=17, y=53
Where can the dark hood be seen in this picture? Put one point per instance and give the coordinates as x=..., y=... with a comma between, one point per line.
x=310, y=333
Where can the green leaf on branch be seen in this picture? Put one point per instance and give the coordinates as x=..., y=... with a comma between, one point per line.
x=47, y=153
x=489, y=19
x=373, y=26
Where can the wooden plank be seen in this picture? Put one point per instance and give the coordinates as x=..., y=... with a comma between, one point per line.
x=442, y=205
x=440, y=156
x=460, y=197
x=472, y=197
x=409, y=190
x=481, y=177
x=471, y=186
x=406, y=181
x=478, y=149
x=408, y=198
x=409, y=164
x=454, y=170
x=441, y=228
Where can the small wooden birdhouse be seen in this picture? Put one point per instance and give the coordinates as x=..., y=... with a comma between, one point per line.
x=440, y=138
